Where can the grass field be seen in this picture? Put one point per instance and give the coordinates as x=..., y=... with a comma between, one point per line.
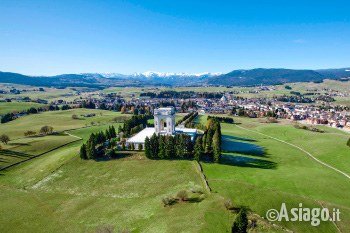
x=8, y=107
x=263, y=173
x=125, y=193
x=59, y=120
x=22, y=149
x=74, y=195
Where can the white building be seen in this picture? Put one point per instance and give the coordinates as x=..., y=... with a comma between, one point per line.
x=164, y=124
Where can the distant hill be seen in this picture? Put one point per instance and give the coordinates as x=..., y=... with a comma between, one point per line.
x=264, y=76
x=235, y=78
x=335, y=73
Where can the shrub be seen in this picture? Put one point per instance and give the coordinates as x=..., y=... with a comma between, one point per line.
x=4, y=138
x=169, y=200
x=46, y=129
x=241, y=222
x=182, y=195
x=228, y=204
x=29, y=133
x=304, y=127
x=348, y=143
x=193, y=190
x=112, y=153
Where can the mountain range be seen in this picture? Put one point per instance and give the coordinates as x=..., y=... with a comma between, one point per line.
x=235, y=78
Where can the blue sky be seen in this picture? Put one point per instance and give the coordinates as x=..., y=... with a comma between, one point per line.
x=55, y=37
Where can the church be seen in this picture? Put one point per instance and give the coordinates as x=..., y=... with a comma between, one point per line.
x=164, y=124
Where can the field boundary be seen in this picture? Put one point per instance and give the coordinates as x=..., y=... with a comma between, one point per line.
x=12, y=165
x=317, y=160
x=203, y=178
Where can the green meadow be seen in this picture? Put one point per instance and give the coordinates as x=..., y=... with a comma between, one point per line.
x=74, y=195
x=59, y=120
x=263, y=173
x=8, y=107
x=58, y=191
x=21, y=149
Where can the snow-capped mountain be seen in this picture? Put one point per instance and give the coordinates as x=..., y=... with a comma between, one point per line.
x=153, y=74
x=158, y=77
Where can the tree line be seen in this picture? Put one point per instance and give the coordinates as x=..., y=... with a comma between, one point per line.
x=95, y=145
x=12, y=116
x=222, y=119
x=134, y=125
x=211, y=140
x=169, y=147
x=184, y=118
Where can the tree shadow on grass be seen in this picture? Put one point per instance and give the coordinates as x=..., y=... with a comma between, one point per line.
x=227, y=137
x=243, y=161
x=14, y=154
x=18, y=144
x=229, y=145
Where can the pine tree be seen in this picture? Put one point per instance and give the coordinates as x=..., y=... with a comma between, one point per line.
x=91, y=150
x=241, y=222
x=123, y=146
x=82, y=152
x=140, y=147
x=161, y=153
x=216, y=147
x=182, y=146
x=198, y=149
x=148, y=148
x=129, y=146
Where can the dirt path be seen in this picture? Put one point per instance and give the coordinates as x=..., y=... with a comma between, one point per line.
x=317, y=160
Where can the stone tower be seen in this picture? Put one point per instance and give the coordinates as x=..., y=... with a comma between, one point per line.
x=164, y=121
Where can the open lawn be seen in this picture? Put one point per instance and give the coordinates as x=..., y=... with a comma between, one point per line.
x=8, y=107
x=125, y=193
x=59, y=120
x=22, y=149
x=263, y=173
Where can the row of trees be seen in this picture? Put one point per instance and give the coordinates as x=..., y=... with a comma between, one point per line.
x=89, y=151
x=184, y=118
x=134, y=121
x=211, y=141
x=12, y=116
x=190, y=119
x=222, y=119
x=167, y=146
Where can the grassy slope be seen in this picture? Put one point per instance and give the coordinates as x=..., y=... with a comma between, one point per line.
x=124, y=193
x=18, y=106
x=294, y=172
x=59, y=120
x=21, y=149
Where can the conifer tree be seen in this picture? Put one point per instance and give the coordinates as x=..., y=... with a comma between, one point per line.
x=216, y=147
x=241, y=222
x=148, y=148
x=82, y=152
x=140, y=146
x=91, y=150
x=161, y=153
x=198, y=149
